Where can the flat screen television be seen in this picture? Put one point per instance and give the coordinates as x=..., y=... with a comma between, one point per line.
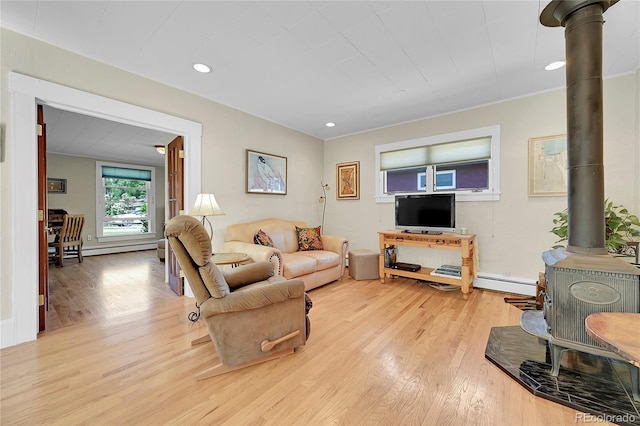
x=426, y=213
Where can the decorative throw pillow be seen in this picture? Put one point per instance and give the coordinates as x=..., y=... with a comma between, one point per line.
x=309, y=239
x=261, y=238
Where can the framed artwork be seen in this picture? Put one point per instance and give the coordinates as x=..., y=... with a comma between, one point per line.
x=56, y=186
x=348, y=181
x=548, y=166
x=266, y=173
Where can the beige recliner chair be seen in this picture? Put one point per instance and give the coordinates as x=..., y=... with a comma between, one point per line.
x=252, y=316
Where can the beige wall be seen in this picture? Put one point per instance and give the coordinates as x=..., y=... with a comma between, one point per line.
x=513, y=232
x=225, y=136
x=80, y=198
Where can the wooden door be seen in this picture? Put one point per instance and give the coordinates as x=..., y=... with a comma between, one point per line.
x=43, y=228
x=175, y=174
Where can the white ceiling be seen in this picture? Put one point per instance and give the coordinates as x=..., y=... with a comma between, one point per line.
x=361, y=64
x=70, y=133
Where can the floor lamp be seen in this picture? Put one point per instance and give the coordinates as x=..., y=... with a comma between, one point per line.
x=206, y=205
x=323, y=199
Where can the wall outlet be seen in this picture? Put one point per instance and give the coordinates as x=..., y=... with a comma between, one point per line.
x=88, y=237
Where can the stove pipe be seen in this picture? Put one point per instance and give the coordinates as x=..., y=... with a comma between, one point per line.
x=583, y=23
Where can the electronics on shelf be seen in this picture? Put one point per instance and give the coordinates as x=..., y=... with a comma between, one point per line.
x=412, y=267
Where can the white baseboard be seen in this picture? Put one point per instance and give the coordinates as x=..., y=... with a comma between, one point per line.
x=118, y=248
x=7, y=333
x=504, y=284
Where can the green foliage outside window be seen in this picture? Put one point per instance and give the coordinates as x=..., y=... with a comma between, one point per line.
x=125, y=196
x=125, y=199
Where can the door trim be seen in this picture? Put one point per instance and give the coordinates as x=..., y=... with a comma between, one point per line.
x=43, y=223
x=22, y=325
x=175, y=189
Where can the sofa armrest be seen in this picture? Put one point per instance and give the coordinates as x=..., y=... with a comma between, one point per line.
x=338, y=245
x=257, y=253
x=254, y=297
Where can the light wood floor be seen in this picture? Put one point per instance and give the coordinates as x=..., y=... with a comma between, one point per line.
x=103, y=287
x=378, y=354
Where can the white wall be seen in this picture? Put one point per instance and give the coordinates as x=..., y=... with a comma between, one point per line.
x=226, y=133
x=513, y=232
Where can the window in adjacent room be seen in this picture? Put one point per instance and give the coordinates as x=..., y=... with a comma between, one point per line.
x=467, y=163
x=125, y=201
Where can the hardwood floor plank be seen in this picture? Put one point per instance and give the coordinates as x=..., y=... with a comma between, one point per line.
x=105, y=287
x=378, y=354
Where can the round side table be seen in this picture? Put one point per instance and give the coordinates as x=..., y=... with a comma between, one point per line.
x=233, y=259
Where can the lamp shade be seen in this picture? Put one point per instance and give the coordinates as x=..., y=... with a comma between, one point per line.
x=206, y=205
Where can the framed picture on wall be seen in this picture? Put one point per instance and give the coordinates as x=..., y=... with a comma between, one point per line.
x=266, y=173
x=56, y=186
x=348, y=181
x=548, y=166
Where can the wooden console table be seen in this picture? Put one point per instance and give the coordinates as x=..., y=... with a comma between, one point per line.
x=465, y=244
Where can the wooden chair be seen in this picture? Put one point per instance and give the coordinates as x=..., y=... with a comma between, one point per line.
x=70, y=239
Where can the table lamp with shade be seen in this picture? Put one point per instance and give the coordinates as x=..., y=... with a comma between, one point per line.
x=206, y=205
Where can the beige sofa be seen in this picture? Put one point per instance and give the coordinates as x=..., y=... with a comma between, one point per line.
x=314, y=267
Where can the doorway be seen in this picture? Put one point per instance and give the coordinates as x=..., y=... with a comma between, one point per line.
x=77, y=148
x=26, y=92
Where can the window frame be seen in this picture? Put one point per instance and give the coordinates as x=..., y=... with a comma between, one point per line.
x=100, y=204
x=452, y=173
x=492, y=193
x=422, y=186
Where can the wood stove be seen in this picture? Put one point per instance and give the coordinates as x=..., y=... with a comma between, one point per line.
x=583, y=278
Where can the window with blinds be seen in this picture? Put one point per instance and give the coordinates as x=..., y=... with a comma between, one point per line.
x=125, y=204
x=464, y=162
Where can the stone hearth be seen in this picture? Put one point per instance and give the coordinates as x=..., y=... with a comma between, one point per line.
x=588, y=383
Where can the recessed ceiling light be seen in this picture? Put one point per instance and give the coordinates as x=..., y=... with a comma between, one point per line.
x=330, y=124
x=201, y=68
x=555, y=65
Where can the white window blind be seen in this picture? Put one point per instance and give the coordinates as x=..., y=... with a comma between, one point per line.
x=405, y=158
x=450, y=152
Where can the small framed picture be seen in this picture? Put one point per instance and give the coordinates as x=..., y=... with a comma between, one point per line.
x=56, y=186
x=548, y=166
x=266, y=173
x=348, y=181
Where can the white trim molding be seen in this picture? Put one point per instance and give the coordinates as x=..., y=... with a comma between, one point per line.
x=26, y=92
